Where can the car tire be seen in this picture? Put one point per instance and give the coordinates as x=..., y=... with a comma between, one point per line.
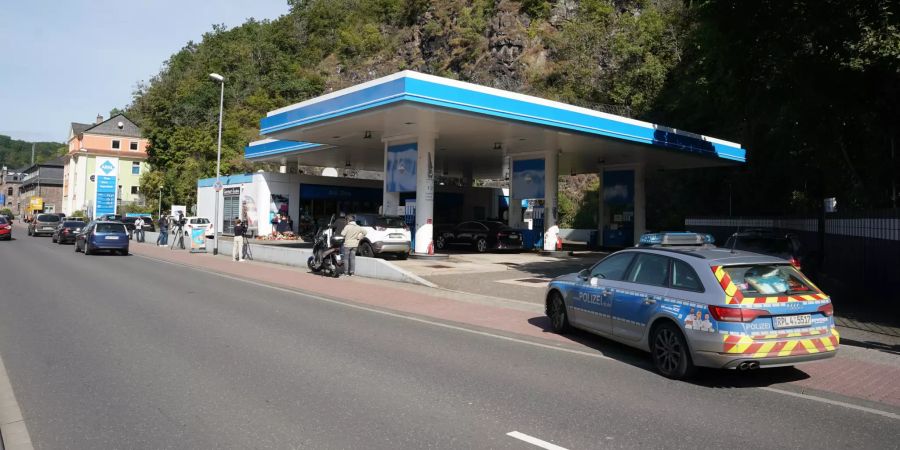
x=365, y=249
x=86, y=249
x=29, y=231
x=402, y=256
x=480, y=245
x=556, y=311
x=670, y=353
x=76, y=247
x=123, y=252
x=440, y=243
x=53, y=239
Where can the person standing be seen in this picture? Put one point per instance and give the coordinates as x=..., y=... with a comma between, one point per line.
x=352, y=234
x=237, y=248
x=163, y=239
x=139, y=229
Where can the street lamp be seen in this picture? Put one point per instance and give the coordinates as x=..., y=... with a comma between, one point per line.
x=159, y=212
x=221, y=81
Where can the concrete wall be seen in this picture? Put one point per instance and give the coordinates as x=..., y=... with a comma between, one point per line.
x=297, y=257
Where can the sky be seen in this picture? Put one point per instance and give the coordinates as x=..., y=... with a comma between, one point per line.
x=64, y=61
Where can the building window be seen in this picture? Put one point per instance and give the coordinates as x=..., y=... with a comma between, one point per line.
x=8, y=191
x=133, y=145
x=115, y=144
x=136, y=168
x=134, y=190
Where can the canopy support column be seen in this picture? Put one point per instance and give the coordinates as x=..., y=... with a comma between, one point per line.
x=425, y=194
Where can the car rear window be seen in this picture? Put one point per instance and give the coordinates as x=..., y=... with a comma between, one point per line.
x=129, y=219
x=763, y=280
x=390, y=222
x=110, y=228
x=73, y=223
x=47, y=218
x=762, y=244
x=2, y=220
x=199, y=221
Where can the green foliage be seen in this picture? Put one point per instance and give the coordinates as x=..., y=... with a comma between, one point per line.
x=16, y=154
x=7, y=212
x=80, y=213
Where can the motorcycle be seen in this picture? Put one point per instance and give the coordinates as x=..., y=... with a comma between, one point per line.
x=326, y=257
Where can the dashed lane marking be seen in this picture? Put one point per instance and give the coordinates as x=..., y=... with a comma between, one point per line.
x=534, y=441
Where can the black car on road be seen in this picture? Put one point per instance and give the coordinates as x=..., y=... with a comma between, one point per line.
x=481, y=235
x=66, y=230
x=772, y=243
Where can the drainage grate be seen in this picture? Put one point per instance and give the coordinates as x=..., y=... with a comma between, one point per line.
x=533, y=280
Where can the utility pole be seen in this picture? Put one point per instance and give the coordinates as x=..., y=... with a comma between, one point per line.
x=32, y=153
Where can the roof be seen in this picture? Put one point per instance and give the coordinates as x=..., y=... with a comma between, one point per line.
x=78, y=128
x=111, y=127
x=719, y=256
x=428, y=91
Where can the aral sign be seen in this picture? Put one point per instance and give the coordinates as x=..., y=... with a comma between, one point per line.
x=106, y=171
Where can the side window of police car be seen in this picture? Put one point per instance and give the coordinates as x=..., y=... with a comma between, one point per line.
x=684, y=277
x=650, y=269
x=613, y=267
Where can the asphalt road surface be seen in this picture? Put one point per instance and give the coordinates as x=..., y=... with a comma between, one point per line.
x=128, y=352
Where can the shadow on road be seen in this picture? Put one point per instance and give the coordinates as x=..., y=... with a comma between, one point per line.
x=706, y=377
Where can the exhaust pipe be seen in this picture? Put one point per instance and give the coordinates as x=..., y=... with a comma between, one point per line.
x=743, y=366
x=753, y=365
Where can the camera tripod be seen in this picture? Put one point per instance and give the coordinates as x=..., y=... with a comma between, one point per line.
x=245, y=250
x=179, y=239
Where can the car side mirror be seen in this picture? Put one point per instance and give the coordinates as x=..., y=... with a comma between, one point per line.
x=584, y=274
x=594, y=281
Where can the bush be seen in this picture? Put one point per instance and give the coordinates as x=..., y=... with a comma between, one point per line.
x=7, y=212
x=79, y=213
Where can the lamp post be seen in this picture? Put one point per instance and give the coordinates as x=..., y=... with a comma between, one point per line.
x=159, y=211
x=221, y=81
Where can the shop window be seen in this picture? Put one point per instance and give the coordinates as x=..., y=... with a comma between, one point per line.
x=115, y=144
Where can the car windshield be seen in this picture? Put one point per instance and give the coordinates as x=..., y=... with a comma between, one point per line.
x=199, y=221
x=47, y=218
x=390, y=222
x=110, y=228
x=2, y=220
x=763, y=280
x=769, y=245
x=73, y=224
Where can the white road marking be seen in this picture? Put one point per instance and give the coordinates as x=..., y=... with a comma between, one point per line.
x=505, y=338
x=12, y=424
x=534, y=441
x=815, y=398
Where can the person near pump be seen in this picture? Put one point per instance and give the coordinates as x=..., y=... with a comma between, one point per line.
x=139, y=229
x=163, y=239
x=237, y=249
x=352, y=234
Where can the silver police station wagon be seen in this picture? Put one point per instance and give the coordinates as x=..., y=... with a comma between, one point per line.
x=692, y=304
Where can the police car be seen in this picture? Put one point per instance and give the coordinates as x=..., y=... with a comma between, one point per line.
x=692, y=304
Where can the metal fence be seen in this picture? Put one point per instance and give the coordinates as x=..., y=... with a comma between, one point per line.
x=858, y=252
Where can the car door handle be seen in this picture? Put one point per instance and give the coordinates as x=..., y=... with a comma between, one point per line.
x=649, y=301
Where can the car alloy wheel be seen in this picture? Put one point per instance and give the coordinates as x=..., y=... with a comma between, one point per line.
x=365, y=249
x=481, y=245
x=556, y=310
x=439, y=243
x=670, y=352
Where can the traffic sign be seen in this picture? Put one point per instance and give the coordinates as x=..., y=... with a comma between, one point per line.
x=217, y=186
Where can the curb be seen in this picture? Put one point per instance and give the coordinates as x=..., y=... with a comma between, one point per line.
x=13, y=431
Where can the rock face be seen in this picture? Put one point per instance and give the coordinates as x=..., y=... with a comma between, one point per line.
x=506, y=42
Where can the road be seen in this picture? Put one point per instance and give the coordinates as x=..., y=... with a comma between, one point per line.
x=130, y=352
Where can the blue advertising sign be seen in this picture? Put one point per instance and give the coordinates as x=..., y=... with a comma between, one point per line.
x=198, y=239
x=2, y=199
x=618, y=198
x=401, y=168
x=528, y=178
x=106, y=175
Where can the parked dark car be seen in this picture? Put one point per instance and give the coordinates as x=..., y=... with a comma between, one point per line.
x=5, y=228
x=102, y=235
x=768, y=242
x=481, y=235
x=66, y=230
x=129, y=223
x=43, y=224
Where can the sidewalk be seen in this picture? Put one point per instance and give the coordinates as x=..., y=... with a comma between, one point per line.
x=868, y=374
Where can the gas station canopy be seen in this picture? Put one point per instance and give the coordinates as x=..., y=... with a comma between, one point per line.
x=474, y=127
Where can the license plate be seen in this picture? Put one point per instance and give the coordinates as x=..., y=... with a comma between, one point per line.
x=801, y=320
x=47, y=228
x=112, y=238
x=395, y=236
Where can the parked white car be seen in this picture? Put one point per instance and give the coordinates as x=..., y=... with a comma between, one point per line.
x=198, y=222
x=384, y=235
